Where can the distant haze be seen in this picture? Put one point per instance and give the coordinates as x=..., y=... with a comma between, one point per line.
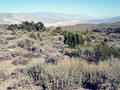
x=52, y=19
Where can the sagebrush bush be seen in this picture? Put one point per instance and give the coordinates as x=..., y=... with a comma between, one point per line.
x=71, y=74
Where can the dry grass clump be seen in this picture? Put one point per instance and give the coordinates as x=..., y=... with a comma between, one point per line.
x=71, y=74
x=4, y=73
x=21, y=61
x=35, y=36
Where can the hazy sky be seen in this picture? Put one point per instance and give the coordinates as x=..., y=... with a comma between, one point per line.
x=94, y=8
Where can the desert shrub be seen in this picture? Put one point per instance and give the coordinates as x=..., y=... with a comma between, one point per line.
x=44, y=29
x=32, y=35
x=29, y=26
x=117, y=30
x=56, y=77
x=113, y=30
x=105, y=40
x=76, y=73
x=13, y=32
x=58, y=28
x=88, y=39
x=35, y=36
x=103, y=51
x=116, y=53
x=39, y=36
x=56, y=31
x=13, y=27
x=4, y=73
x=53, y=33
x=94, y=53
x=96, y=30
x=103, y=76
x=93, y=37
x=21, y=61
x=72, y=39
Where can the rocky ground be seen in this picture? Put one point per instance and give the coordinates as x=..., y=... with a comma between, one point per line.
x=19, y=44
x=17, y=50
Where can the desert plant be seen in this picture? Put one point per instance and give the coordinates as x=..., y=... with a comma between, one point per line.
x=39, y=36
x=103, y=51
x=73, y=39
x=105, y=40
x=88, y=39
x=13, y=27
x=116, y=53
x=53, y=33
x=76, y=73
x=29, y=26
x=32, y=35
x=56, y=76
x=58, y=28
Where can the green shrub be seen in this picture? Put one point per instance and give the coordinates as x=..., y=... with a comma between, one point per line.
x=32, y=35
x=72, y=39
x=29, y=26
x=53, y=33
x=116, y=53
x=35, y=36
x=104, y=51
x=93, y=37
x=39, y=37
x=88, y=39
x=13, y=32
x=105, y=40
x=58, y=28
x=13, y=27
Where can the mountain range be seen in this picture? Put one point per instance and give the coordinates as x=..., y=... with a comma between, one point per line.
x=53, y=19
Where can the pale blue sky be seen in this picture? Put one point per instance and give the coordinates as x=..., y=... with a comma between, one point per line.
x=94, y=8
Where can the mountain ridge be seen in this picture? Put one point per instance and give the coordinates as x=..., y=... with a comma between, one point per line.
x=53, y=19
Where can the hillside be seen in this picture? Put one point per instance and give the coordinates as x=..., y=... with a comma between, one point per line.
x=106, y=20
x=90, y=27
x=35, y=58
